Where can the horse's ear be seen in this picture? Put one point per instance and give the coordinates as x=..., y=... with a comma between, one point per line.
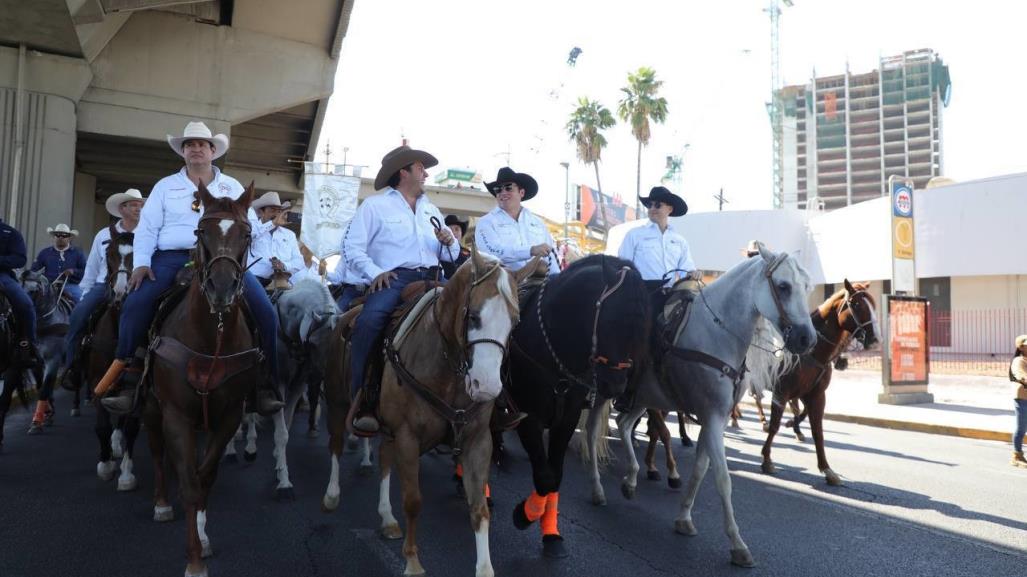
x=765, y=252
x=849, y=287
x=526, y=271
x=476, y=260
x=247, y=197
x=202, y=194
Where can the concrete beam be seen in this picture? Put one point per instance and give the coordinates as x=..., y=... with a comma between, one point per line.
x=46, y=73
x=94, y=36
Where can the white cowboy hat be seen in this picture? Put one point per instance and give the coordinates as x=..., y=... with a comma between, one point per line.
x=199, y=131
x=270, y=198
x=116, y=200
x=61, y=228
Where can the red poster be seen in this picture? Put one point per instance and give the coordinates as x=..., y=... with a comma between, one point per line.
x=830, y=105
x=907, y=321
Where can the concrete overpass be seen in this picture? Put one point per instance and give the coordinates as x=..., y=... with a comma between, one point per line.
x=90, y=88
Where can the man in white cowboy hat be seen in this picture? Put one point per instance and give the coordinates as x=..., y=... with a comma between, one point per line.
x=62, y=261
x=510, y=232
x=124, y=206
x=276, y=250
x=163, y=242
x=392, y=242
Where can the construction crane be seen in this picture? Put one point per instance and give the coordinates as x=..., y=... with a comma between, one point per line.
x=775, y=107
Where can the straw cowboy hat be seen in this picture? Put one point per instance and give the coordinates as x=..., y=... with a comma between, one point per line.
x=454, y=219
x=1020, y=340
x=752, y=249
x=396, y=159
x=61, y=228
x=199, y=131
x=506, y=174
x=114, y=201
x=661, y=194
x=272, y=199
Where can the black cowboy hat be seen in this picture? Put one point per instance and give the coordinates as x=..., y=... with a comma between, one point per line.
x=453, y=219
x=661, y=194
x=506, y=174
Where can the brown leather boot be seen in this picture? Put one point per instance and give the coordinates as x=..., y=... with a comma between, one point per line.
x=1018, y=460
x=361, y=416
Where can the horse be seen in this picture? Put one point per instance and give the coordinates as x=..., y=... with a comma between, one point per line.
x=12, y=380
x=98, y=350
x=581, y=332
x=441, y=376
x=203, y=361
x=845, y=316
x=701, y=372
x=52, y=314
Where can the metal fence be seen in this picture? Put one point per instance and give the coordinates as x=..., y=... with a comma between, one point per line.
x=969, y=342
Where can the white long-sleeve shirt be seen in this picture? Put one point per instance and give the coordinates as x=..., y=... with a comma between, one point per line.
x=385, y=235
x=655, y=253
x=279, y=243
x=96, y=263
x=509, y=240
x=167, y=221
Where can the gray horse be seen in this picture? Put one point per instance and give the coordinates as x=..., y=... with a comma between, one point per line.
x=52, y=314
x=702, y=373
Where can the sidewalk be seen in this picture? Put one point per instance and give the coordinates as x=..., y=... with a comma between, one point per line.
x=964, y=405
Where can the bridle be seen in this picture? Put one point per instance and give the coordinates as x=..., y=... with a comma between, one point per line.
x=465, y=360
x=204, y=248
x=785, y=322
x=855, y=333
x=112, y=276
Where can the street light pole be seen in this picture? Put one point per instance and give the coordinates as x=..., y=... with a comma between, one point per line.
x=567, y=198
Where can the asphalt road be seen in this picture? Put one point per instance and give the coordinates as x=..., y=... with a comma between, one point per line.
x=913, y=504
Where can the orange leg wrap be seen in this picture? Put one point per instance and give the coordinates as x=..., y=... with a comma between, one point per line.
x=549, y=518
x=534, y=507
x=460, y=470
x=488, y=491
x=40, y=414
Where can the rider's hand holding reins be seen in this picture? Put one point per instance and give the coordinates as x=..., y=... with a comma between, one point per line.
x=382, y=281
x=138, y=274
x=444, y=236
x=541, y=250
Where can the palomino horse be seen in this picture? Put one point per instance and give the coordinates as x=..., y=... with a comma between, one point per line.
x=701, y=373
x=99, y=351
x=52, y=314
x=204, y=361
x=439, y=384
x=581, y=332
x=848, y=314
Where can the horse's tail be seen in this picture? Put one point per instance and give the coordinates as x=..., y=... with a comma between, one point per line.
x=603, y=453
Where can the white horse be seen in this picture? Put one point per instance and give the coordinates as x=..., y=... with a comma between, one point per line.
x=702, y=373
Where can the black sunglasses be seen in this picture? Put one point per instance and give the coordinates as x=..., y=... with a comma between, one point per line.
x=62, y=235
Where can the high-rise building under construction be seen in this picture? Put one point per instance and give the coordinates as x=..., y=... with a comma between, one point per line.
x=867, y=127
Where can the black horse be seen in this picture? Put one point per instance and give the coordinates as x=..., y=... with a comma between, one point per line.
x=10, y=380
x=579, y=335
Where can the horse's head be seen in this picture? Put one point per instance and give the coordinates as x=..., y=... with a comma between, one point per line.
x=119, y=265
x=782, y=293
x=621, y=326
x=855, y=314
x=479, y=309
x=222, y=242
x=37, y=286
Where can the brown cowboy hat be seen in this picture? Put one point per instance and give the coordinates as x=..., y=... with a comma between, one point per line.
x=506, y=174
x=661, y=194
x=396, y=159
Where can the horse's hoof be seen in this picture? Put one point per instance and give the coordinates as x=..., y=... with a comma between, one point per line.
x=768, y=468
x=627, y=490
x=766, y=427
x=652, y=475
x=674, y=482
x=686, y=442
x=231, y=458
x=686, y=527
x=105, y=470
x=490, y=503
x=127, y=484
x=832, y=478
x=285, y=494
x=207, y=551
x=742, y=558
x=598, y=498
x=520, y=519
x=200, y=573
x=553, y=547
x=35, y=429
x=392, y=532
x=163, y=513
x=460, y=489
x=329, y=503
x=76, y=412
x=365, y=470
x=48, y=421
x=800, y=437
x=313, y=433
x=249, y=457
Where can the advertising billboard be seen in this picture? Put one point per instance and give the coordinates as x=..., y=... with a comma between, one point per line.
x=589, y=211
x=908, y=351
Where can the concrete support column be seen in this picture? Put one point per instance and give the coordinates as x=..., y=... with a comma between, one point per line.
x=86, y=215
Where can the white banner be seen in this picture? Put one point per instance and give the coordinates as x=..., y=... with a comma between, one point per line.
x=329, y=203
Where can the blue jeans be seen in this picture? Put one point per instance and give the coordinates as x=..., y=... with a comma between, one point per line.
x=21, y=304
x=141, y=304
x=85, y=308
x=1021, y=424
x=372, y=321
x=349, y=292
x=74, y=291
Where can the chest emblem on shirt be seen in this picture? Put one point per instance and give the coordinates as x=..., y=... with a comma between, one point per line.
x=224, y=189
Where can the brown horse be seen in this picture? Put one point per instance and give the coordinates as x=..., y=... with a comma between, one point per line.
x=203, y=365
x=848, y=314
x=99, y=353
x=440, y=380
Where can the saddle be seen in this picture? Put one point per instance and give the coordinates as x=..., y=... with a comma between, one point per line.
x=530, y=285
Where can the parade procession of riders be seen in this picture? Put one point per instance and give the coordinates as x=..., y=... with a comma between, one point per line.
x=197, y=307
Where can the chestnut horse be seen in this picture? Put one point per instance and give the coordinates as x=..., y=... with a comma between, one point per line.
x=204, y=361
x=848, y=314
x=440, y=380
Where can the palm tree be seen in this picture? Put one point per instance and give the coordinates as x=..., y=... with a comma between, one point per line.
x=639, y=107
x=585, y=128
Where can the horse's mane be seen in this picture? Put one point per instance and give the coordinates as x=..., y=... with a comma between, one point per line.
x=312, y=291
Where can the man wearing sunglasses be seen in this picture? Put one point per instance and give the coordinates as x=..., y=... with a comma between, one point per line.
x=62, y=261
x=510, y=232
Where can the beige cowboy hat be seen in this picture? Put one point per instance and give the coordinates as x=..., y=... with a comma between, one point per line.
x=1020, y=340
x=396, y=159
x=752, y=249
x=61, y=228
x=198, y=131
x=270, y=198
x=114, y=201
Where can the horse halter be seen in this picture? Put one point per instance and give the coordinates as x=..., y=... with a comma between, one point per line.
x=208, y=264
x=466, y=360
x=861, y=326
x=112, y=276
x=781, y=312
